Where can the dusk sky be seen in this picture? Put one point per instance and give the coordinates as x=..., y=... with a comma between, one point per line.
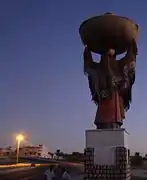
x=44, y=92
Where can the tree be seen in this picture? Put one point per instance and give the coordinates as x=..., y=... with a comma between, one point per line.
x=78, y=154
x=9, y=147
x=51, y=154
x=58, y=153
x=137, y=160
x=137, y=154
x=74, y=157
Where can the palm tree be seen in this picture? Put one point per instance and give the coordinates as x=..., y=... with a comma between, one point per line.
x=137, y=154
x=136, y=160
x=51, y=154
x=58, y=153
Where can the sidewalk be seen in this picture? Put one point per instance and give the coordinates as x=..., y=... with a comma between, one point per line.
x=142, y=173
x=81, y=177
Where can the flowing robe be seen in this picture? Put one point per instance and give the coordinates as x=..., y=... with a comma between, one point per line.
x=111, y=91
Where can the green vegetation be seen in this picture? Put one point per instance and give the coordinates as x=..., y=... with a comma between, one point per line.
x=136, y=160
x=73, y=157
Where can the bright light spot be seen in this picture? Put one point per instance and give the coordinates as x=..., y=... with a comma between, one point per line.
x=19, y=137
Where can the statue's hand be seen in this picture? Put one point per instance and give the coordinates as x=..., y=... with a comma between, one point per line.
x=87, y=49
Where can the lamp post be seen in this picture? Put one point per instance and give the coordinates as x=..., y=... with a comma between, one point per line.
x=19, y=138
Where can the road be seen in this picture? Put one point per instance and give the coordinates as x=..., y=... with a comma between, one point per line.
x=37, y=174
x=33, y=174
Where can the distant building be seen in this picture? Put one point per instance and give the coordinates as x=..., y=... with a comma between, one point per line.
x=6, y=151
x=31, y=151
x=26, y=151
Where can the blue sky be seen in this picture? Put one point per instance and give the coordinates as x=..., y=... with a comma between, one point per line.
x=43, y=89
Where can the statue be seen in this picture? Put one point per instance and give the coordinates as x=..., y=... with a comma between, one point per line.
x=111, y=80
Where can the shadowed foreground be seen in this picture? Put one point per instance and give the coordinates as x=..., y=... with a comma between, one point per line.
x=76, y=173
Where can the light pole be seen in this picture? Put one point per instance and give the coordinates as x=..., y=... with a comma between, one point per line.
x=19, y=138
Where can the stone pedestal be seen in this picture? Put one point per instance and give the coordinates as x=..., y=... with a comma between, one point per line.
x=107, y=155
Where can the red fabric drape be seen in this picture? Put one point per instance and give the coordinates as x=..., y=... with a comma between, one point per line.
x=111, y=110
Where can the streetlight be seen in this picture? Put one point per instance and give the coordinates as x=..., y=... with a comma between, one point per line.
x=19, y=138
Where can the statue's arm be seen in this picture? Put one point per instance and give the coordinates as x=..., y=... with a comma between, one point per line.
x=90, y=68
x=130, y=56
x=128, y=65
x=87, y=57
x=89, y=64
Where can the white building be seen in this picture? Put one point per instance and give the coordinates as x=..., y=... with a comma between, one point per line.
x=7, y=151
x=31, y=151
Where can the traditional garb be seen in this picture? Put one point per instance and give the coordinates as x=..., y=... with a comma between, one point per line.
x=110, y=82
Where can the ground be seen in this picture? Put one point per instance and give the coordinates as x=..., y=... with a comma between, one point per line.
x=37, y=174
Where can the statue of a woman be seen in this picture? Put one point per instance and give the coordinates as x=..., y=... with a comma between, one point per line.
x=110, y=82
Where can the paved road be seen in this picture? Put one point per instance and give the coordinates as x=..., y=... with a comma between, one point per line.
x=36, y=174
x=33, y=174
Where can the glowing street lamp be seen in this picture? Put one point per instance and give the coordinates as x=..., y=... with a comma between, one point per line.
x=19, y=138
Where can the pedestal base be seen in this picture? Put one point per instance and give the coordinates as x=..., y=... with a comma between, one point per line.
x=107, y=155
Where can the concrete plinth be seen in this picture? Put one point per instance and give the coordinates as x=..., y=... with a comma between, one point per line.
x=107, y=155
